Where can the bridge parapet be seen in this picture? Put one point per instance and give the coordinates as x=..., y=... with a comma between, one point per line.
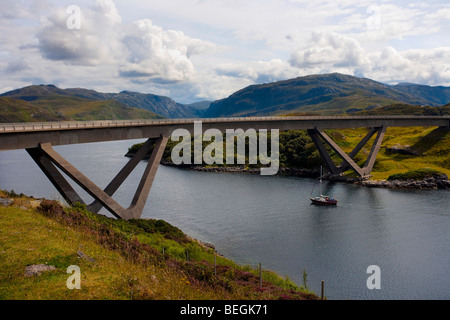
x=70, y=125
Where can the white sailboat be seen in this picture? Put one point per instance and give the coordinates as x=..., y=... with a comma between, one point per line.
x=322, y=200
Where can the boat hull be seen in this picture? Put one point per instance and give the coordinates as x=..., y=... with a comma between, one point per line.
x=324, y=202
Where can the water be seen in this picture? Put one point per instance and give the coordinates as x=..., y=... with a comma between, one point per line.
x=269, y=219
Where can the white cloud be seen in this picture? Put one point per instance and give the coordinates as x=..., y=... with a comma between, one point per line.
x=158, y=54
x=140, y=50
x=96, y=41
x=191, y=49
x=330, y=50
x=259, y=71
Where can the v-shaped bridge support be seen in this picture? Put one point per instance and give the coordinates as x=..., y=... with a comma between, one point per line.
x=49, y=160
x=348, y=162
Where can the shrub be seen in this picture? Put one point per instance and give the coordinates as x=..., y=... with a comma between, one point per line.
x=418, y=174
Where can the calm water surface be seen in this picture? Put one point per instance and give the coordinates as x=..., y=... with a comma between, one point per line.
x=269, y=219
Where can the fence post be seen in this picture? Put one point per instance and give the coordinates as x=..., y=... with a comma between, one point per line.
x=322, y=290
x=260, y=275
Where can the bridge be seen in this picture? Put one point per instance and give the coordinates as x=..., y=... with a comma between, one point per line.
x=38, y=140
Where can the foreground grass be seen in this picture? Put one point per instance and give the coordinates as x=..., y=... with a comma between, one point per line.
x=118, y=260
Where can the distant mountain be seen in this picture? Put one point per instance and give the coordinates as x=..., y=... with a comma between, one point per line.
x=436, y=96
x=159, y=105
x=326, y=94
x=202, y=105
x=49, y=103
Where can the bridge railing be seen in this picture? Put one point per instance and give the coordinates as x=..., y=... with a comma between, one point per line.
x=61, y=125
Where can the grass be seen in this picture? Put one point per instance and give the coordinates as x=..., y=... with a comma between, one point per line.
x=62, y=108
x=125, y=259
x=430, y=147
x=418, y=174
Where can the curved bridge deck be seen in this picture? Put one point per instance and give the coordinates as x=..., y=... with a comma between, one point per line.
x=29, y=135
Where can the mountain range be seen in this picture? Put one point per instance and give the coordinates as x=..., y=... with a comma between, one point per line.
x=60, y=101
x=324, y=94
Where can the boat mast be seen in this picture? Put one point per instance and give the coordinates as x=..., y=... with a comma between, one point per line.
x=321, y=191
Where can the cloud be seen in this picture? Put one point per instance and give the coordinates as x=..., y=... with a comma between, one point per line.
x=16, y=66
x=191, y=49
x=330, y=50
x=333, y=52
x=95, y=41
x=139, y=50
x=430, y=66
x=259, y=71
x=158, y=54
x=11, y=9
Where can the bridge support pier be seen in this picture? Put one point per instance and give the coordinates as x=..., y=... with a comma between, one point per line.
x=49, y=160
x=317, y=135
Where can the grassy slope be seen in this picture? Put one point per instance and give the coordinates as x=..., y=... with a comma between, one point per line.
x=431, y=144
x=59, y=108
x=339, y=105
x=128, y=261
x=16, y=110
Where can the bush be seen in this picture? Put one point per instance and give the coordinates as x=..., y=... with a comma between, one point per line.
x=419, y=174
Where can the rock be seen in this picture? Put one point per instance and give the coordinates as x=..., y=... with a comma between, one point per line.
x=6, y=202
x=85, y=256
x=402, y=150
x=37, y=269
x=439, y=182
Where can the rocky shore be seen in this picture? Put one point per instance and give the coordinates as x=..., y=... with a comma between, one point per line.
x=439, y=182
x=429, y=183
x=436, y=182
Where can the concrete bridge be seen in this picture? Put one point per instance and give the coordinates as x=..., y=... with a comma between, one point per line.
x=39, y=138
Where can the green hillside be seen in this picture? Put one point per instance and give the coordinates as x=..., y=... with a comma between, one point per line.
x=405, y=109
x=15, y=110
x=402, y=150
x=59, y=107
x=53, y=97
x=141, y=259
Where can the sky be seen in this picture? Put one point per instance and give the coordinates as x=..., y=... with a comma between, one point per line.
x=193, y=50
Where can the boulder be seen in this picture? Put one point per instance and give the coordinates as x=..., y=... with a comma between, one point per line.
x=37, y=269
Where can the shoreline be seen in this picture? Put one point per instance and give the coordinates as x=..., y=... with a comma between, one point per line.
x=442, y=182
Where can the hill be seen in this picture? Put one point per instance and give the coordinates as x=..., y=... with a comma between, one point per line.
x=51, y=96
x=436, y=96
x=325, y=94
x=405, y=109
x=61, y=107
x=161, y=105
x=15, y=110
x=141, y=259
